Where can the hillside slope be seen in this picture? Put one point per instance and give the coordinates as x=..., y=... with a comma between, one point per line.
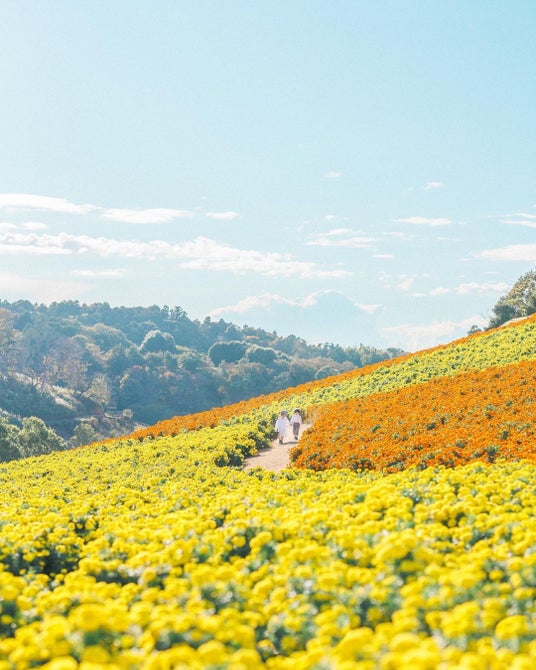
x=150, y=552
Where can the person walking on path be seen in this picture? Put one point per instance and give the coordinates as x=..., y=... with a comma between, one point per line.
x=281, y=425
x=296, y=422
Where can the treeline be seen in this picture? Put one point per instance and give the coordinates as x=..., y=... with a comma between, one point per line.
x=93, y=371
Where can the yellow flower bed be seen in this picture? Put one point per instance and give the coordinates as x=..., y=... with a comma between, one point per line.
x=149, y=556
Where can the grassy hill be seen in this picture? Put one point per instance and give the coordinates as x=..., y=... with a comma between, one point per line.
x=406, y=541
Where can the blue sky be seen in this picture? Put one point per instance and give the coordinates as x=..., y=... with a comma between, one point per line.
x=345, y=171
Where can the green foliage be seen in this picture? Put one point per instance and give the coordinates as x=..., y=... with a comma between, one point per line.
x=230, y=352
x=33, y=439
x=263, y=355
x=37, y=438
x=9, y=441
x=156, y=340
x=519, y=302
x=84, y=433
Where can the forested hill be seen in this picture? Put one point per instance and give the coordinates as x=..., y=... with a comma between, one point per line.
x=93, y=371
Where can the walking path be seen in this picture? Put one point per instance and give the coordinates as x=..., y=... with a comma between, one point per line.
x=276, y=457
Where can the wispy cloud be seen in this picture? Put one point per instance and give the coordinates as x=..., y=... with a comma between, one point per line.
x=198, y=254
x=466, y=289
x=399, y=235
x=146, y=216
x=29, y=201
x=521, y=219
x=223, y=216
x=439, y=290
x=42, y=202
x=511, y=252
x=401, y=282
x=28, y=225
x=430, y=185
x=341, y=237
x=333, y=174
x=485, y=287
x=425, y=221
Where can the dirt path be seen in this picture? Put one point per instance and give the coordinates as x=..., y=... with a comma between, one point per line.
x=275, y=457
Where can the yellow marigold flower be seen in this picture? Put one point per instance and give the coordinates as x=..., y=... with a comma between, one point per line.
x=403, y=641
x=95, y=654
x=516, y=580
x=327, y=580
x=61, y=663
x=261, y=539
x=522, y=662
x=249, y=658
x=355, y=642
x=512, y=627
x=212, y=652
x=288, y=644
x=472, y=661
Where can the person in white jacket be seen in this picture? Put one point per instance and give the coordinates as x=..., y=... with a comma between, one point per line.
x=281, y=425
x=296, y=421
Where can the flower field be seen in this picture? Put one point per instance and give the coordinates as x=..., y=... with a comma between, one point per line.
x=450, y=421
x=158, y=551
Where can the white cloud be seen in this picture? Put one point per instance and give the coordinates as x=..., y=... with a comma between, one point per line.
x=433, y=184
x=406, y=237
x=32, y=244
x=341, y=237
x=333, y=174
x=512, y=252
x=369, y=309
x=417, y=337
x=146, y=216
x=386, y=256
x=405, y=282
x=425, y=221
x=486, y=287
x=223, y=216
x=439, y=290
x=29, y=225
x=522, y=219
x=61, y=205
x=198, y=254
x=42, y=202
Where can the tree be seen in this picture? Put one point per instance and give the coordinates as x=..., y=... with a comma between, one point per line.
x=156, y=340
x=7, y=340
x=520, y=301
x=231, y=352
x=263, y=355
x=9, y=442
x=37, y=438
x=84, y=433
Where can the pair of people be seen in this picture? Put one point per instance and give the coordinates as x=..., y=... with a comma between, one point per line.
x=283, y=423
